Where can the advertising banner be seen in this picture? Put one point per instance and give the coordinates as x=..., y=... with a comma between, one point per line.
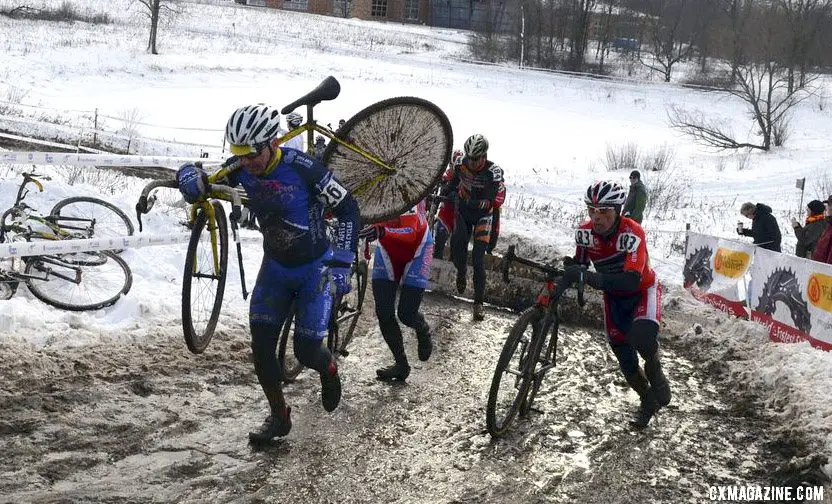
x=714, y=269
x=792, y=297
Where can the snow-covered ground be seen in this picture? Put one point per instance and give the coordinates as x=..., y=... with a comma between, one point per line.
x=549, y=132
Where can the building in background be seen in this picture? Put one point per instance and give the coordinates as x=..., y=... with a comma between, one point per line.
x=490, y=15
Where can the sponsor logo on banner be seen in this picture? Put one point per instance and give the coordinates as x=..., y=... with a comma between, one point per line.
x=731, y=263
x=819, y=291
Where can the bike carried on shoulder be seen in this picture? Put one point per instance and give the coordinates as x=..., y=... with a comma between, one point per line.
x=390, y=155
x=529, y=352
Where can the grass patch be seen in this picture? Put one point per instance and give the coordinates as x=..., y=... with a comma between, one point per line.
x=66, y=12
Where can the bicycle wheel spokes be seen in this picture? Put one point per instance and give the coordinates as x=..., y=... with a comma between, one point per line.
x=410, y=135
x=97, y=217
x=73, y=286
x=203, y=283
x=513, y=374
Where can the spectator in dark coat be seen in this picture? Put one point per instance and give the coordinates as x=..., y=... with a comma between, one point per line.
x=808, y=235
x=823, y=249
x=764, y=228
x=636, y=200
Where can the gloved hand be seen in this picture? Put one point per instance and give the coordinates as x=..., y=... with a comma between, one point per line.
x=482, y=204
x=372, y=233
x=568, y=261
x=193, y=182
x=340, y=275
x=795, y=223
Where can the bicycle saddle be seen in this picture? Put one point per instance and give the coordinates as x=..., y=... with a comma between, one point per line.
x=328, y=89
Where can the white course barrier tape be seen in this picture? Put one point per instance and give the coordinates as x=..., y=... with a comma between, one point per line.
x=83, y=159
x=20, y=249
x=47, y=247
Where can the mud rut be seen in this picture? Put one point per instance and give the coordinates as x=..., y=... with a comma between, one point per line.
x=145, y=421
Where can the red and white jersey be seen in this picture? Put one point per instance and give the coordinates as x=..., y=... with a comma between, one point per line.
x=403, y=234
x=624, y=250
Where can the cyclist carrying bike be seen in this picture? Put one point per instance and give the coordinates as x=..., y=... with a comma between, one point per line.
x=476, y=182
x=617, y=247
x=288, y=191
x=403, y=256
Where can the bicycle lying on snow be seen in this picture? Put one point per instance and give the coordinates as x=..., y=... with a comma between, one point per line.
x=523, y=362
x=83, y=280
x=390, y=155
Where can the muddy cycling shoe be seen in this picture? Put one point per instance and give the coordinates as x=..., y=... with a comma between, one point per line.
x=479, y=314
x=396, y=372
x=275, y=426
x=659, y=383
x=649, y=407
x=425, y=347
x=330, y=387
x=461, y=282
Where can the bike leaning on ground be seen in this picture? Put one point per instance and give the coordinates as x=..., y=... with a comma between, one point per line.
x=78, y=280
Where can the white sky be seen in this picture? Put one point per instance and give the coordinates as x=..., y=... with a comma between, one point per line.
x=550, y=134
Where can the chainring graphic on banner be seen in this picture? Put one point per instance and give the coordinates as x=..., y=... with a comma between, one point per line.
x=782, y=285
x=698, y=269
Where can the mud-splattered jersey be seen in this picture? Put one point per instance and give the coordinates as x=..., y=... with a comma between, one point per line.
x=624, y=250
x=403, y=234
x=473, y=185
x=289, y=204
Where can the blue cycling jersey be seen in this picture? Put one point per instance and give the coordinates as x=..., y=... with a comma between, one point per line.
x=289, y=204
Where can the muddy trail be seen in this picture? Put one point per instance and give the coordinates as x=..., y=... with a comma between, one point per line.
x=138, y=419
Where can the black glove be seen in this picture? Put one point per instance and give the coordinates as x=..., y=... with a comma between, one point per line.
x=568, y=261
x=371, y=233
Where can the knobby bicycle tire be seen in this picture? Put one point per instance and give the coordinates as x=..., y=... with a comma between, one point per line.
x=199, y=278
x=551, y=345
x=409, y=134
x=358, y=280
x=496, y=422
x=114, y=223
x=71, y=286
x=291, y=366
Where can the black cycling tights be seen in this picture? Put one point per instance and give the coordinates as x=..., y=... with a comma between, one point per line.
x=643, y=337
x=410, y=299
x=264, y=339
x=481, y=230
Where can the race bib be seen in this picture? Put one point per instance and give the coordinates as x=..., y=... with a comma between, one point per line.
x=627, y=242
x=332, y=193
x=583, y=238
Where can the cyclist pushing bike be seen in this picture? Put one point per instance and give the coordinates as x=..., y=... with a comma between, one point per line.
x=617, y=247
x=403, y=256
x=476, y=182
x=288, y=191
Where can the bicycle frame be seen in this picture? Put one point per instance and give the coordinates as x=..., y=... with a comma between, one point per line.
x=56, y=231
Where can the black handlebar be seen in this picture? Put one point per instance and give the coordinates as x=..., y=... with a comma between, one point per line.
x=550, y=271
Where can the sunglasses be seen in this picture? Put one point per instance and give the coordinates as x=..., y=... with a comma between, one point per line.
x=600, y=210
x=253, y=155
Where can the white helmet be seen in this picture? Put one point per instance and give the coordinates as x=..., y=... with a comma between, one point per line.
x=476, y=146
x=605, y=194
x=293, y=119
x=250, y=127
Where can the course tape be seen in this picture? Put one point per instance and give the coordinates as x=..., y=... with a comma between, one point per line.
x=83, y=159
x=50, y=247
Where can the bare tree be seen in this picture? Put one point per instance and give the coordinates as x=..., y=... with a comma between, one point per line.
x=803, y=19
x=582, y=11
x=764, y=89
x=670, y=45
x=153, y=10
